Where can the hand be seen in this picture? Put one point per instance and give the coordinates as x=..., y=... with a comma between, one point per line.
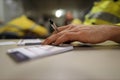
x=83, y=33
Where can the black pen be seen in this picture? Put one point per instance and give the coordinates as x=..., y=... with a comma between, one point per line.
x=53, y=25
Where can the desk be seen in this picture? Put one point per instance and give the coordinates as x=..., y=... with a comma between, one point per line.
x=101, y=62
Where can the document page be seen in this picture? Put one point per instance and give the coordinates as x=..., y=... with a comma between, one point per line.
x=38, y=51
x=7, y=43
x=29, y=42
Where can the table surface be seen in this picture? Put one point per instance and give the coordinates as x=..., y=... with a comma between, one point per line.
x=99, y=62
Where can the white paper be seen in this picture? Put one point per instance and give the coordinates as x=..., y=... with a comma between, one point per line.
x=39, y=51
x=28, y=41
x=7, y=43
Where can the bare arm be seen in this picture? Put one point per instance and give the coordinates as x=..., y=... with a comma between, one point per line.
x=85, y=33
x=116, y=34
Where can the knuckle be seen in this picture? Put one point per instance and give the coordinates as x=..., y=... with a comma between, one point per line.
x=48, y=39
x=66, y=34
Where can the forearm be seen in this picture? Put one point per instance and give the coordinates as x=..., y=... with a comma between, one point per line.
x=115, y=34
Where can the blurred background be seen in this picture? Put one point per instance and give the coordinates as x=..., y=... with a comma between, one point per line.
x=25, y=15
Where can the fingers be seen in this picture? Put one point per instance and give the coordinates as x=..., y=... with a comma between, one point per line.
x=61, y=29
x=70, y=36
x=66, y=33
x=50, y=39
x=55, y=37
x=66, y=27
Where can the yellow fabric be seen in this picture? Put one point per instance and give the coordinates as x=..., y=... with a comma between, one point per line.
x=99, y=21
x=107, y=6
x=22, y=23
x=118, y=24
x=76, y=21
x=9, y=28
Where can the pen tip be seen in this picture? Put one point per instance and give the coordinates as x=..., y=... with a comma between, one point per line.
x=51, y=21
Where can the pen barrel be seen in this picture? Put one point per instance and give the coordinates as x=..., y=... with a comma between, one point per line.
x=55, y=27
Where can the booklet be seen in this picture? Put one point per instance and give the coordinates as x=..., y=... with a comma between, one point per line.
x=37, y=51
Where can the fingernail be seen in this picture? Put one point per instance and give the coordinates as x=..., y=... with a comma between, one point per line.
x=54, y=44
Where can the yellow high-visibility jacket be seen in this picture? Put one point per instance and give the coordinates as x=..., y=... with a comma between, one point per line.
x=104, y=12
x=76, y=21
x=21, y=24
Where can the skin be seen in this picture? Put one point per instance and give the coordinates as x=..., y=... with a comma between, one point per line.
x=85, y=33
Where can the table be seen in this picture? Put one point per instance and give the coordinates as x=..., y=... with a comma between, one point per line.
x=100, y=62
